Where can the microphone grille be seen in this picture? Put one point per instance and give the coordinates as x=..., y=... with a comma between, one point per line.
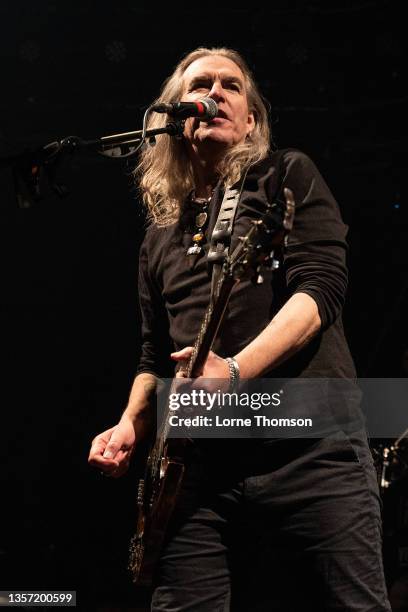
x=211, y=106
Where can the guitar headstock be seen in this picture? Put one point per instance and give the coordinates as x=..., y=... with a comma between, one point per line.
x=256, y=250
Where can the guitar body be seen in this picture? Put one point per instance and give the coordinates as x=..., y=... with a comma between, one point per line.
x=157, y=495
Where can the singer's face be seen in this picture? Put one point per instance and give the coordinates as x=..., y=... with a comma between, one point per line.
x=219, y=78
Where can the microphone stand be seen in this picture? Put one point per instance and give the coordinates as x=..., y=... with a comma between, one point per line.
x=32, y=169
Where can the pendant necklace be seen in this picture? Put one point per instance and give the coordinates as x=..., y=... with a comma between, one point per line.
x=200, y=219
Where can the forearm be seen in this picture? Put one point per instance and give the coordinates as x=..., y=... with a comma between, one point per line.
x=290, y=330
x=138, y=409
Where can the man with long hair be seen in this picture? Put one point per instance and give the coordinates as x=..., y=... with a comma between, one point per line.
x=267, y=524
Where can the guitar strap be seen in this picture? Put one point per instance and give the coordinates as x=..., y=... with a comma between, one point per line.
x=222, y=232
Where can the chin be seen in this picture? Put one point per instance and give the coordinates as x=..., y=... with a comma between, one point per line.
x=217, y=137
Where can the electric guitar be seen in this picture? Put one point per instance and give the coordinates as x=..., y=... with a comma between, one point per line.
x=158, y=489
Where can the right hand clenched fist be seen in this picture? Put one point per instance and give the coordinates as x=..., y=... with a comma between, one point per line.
x=111, y=450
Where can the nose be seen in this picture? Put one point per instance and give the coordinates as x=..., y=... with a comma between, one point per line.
x=217, y=91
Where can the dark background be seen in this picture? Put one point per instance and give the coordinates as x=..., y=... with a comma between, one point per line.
x=334, y=73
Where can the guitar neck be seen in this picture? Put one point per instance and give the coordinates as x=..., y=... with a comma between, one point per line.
x=211, y=323
x=209, y=328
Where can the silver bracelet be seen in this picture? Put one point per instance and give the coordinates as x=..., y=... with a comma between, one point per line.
x=233, y=372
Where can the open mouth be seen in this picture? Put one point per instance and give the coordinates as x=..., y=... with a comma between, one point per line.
x=221, y=115
x=216, y=120
x=220, y=118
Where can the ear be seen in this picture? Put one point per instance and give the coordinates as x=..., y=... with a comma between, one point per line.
x=250, y=123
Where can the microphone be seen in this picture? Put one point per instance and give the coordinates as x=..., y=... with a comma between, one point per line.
x=205, y=109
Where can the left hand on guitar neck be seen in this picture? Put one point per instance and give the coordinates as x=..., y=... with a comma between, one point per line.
x=215, y=368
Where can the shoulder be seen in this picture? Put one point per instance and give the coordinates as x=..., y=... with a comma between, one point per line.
x=281, y=162
x=294, y=159
x=158, y=242
x=280, y=167
x=299, y=172
x=157, y=235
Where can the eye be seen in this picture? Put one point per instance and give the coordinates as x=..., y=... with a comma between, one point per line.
x=234, y=86
x=200, y=86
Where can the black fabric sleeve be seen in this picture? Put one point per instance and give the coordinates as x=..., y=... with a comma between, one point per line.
x=315, y=258
x=156, y=346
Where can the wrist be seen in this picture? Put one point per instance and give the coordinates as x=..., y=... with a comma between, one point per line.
x=234, y=373
x=136, y=413
x=141, y=422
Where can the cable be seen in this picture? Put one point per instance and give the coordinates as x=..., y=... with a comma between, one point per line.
x=134, y=149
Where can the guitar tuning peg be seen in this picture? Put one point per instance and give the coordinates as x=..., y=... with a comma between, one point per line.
x=275, y=264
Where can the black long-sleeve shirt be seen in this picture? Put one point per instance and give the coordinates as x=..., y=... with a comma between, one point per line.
x=174, y=293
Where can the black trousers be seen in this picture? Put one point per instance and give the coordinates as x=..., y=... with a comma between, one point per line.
x=289, y=525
